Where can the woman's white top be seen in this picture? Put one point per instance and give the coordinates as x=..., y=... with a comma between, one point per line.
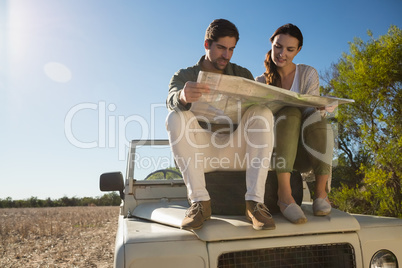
x=306, y=80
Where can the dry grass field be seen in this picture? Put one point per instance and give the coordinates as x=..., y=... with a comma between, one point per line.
x=58, y=237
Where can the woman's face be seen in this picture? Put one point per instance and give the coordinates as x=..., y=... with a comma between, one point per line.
x=284, y=48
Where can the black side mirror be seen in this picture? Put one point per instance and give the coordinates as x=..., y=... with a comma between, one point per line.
x=112, y=181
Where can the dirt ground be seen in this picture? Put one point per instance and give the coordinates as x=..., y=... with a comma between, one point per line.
x=58, y=237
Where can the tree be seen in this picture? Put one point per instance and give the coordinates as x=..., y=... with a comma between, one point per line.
x=370, y=129
x=110, y=199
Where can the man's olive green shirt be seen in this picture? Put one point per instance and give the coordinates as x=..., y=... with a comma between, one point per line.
x=180, y=78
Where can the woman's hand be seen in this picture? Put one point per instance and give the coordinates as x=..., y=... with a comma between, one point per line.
x=329, y=108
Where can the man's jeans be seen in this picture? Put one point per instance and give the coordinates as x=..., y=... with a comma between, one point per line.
x=198, y=151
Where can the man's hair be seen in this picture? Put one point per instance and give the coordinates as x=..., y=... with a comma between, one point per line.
x=221, y=28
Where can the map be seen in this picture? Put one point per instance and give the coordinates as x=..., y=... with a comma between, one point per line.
x=231, y=95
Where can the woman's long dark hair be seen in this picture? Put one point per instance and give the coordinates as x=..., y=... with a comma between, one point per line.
x=271, y=74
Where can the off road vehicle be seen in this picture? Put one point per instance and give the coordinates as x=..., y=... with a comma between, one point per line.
x=154, y=201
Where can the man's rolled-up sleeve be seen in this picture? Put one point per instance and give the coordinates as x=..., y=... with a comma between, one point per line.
x=176, y=85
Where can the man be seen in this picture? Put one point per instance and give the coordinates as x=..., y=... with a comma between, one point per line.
x=198, y=150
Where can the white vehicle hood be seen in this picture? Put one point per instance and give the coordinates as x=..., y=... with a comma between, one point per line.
x=221, y=228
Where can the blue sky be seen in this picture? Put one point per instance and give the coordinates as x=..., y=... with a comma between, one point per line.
x=78, y=78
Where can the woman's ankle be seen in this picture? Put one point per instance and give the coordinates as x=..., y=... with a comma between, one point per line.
x=285, y=198
x=321, y=194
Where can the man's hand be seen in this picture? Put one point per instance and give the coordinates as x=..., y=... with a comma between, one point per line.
x=192, y=91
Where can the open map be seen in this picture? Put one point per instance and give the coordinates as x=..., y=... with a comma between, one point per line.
x=230, y=96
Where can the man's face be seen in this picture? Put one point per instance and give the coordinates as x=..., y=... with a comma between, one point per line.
x=219, y=53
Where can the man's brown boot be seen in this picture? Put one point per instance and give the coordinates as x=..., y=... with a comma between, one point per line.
x=196, y=215
x=259, y=215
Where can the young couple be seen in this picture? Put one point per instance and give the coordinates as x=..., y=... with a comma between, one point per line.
x=293, y=137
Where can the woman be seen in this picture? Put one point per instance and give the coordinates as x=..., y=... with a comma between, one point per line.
x=303, y=138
